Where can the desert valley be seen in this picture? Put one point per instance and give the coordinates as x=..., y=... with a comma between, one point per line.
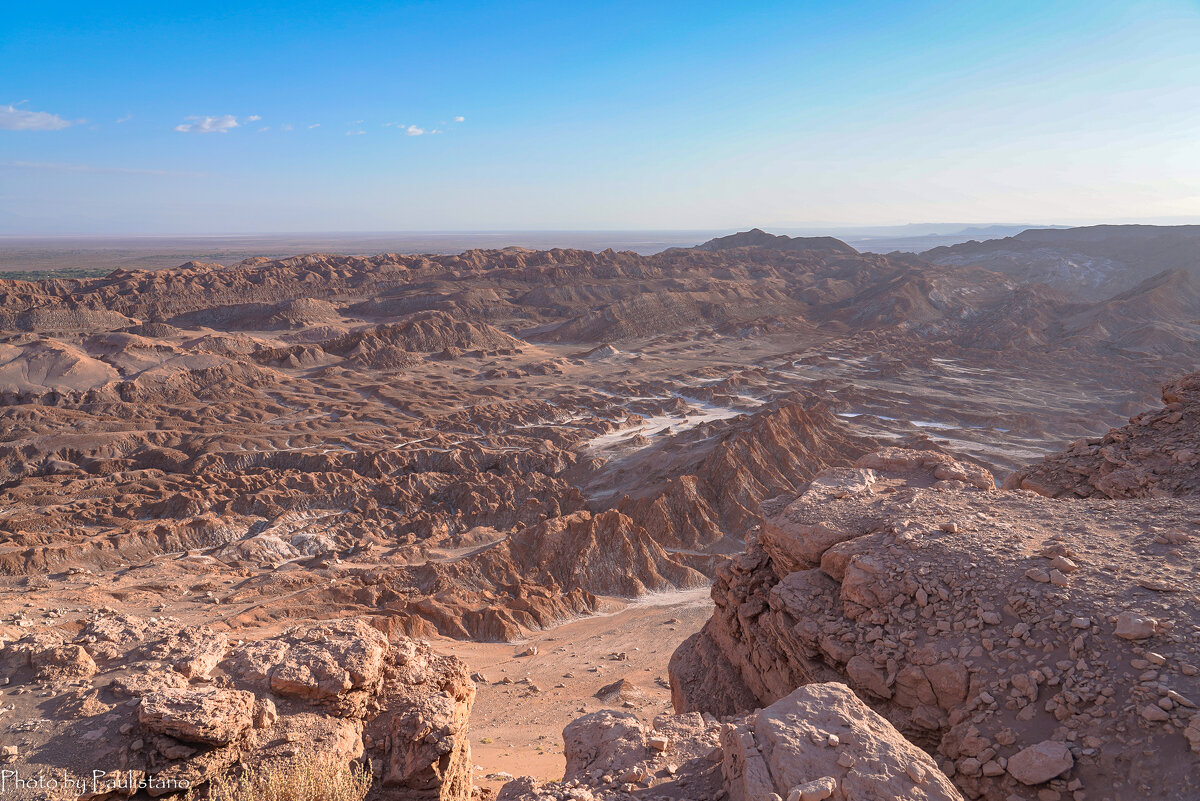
x=764, y=518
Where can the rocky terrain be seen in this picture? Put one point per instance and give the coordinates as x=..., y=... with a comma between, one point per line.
x=981, y=623
x=214, y=475
x=905, y=607
x=1154, y=456
x=170, y=707
x=1096, y=261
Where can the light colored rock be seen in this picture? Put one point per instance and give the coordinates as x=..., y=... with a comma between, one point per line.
x=1192, y=733
x=265, y=713
x=1041, y=762
x=816, y=790
x=1133, y=626
x=63, y=662
x=1154, y=714
x=607, y=740
x=193, y=651
x=898, y=605
x=208, y=715
x=782, y=747
x=338, y=663
x=1063, y=564
x=426, y=703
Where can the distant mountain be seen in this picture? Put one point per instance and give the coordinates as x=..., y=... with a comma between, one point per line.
x=919, y=238
x=758, y=238
x=1157, y=316
x=1092, y=263
x=994, y=231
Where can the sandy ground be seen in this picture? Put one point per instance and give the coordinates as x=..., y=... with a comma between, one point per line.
x=517, y=727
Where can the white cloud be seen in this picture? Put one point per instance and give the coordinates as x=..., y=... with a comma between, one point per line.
x=253, y=118
x=355, y=133
x=314, y=125
x=287, y=126
x=222, y=124
x=413, y=130
x=459, y=119
x=18, y=119
x=264, y=128
x=126, y=118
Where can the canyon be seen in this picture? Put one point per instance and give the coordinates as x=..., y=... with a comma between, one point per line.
x=380, y=508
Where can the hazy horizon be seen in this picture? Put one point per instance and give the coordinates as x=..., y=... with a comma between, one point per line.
x=918, y=228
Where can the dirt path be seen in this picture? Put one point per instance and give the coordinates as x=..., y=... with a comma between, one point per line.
x=516, y=728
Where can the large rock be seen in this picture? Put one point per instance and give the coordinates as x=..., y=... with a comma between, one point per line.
x=193, y=651
x=608, y=741
x=48, y=657
x=210, y=716
x=63, y=662
x=338, y=664
x=817, y=743
x=1041, y=762
x=822, y=736
x=609, y=753
x=426, y=702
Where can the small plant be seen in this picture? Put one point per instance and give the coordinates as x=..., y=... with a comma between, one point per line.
x=486, y=740
x=311, y=779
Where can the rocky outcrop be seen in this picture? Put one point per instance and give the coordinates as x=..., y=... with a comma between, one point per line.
x=428, y=332
x=1157, y=454
x=979, y=623
x=206, y=716
x=819, y=742
x=613, y=756
x=822, y=741
x=774, y=451
x=160, y=702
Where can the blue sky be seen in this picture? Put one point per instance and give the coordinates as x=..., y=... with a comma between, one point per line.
x=305, y=116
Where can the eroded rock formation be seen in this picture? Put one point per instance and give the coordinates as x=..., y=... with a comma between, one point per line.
x=184, y=704
x=981, y=623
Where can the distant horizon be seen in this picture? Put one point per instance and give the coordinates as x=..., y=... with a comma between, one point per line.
x=95, y=253
x=804, y=229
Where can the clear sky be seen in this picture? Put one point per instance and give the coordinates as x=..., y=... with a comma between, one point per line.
x=296, y=116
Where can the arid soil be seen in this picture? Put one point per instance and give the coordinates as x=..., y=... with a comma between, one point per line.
x=505, y=449
x=516, y=728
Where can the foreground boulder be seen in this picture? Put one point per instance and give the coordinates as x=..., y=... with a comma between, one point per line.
x=980, y=623
x=164, y=706
x=819, y=742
